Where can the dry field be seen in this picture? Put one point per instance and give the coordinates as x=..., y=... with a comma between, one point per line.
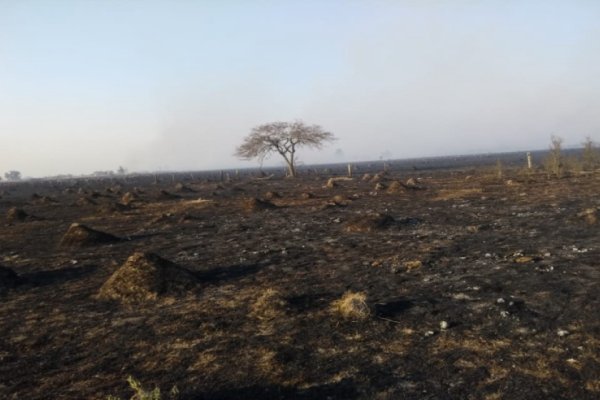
x=447, y=285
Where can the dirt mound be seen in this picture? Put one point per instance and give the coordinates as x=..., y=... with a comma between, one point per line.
x=413, y=184
x=272, y=195
x=340, y=200
x=146, y=276
x=114, y=207
x=254, y=204
x=129, y=198
x=80, y=235
x=17, y=215
x=395, y=187
x=182, y=188
x=8, y=279
x=370, y=223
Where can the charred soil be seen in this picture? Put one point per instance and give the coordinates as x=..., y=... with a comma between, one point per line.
x=469, y=288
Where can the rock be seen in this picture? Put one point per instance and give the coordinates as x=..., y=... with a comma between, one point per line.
x=306, y=195
x=79, y=235
x=444, y=325
x=331, y=183
x=379, y=186
x=145, y=277
x=367, y=177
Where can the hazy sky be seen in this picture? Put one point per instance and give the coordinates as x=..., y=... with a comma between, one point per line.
x=172, y=85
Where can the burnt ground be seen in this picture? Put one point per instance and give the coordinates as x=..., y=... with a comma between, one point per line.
x=510, y=267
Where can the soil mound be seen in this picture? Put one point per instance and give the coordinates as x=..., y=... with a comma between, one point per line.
x=254, y=204
x=17, y=215
x=272, y=195
x=128, y=198
x=80, y=235
x=8, y=279
x=395, y=187
x=114, y=207
x=168, y=195
x=144, y=277
x=182, y=188
x=370, y=223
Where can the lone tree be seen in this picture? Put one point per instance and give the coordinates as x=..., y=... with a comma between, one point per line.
x=283, y=138
x=12, y=175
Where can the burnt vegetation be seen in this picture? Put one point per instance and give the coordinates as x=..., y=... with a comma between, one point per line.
x=438, y=284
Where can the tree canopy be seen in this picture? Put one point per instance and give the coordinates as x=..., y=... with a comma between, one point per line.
x=282, y=138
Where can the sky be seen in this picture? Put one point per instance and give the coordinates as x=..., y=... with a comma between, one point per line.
x=176, y=85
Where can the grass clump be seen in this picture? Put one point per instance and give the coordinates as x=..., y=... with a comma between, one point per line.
x=140, y=393
x=352, y=305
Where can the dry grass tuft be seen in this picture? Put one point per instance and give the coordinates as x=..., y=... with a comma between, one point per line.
x=352, y=305
x=145, y=276
x=270, y=305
